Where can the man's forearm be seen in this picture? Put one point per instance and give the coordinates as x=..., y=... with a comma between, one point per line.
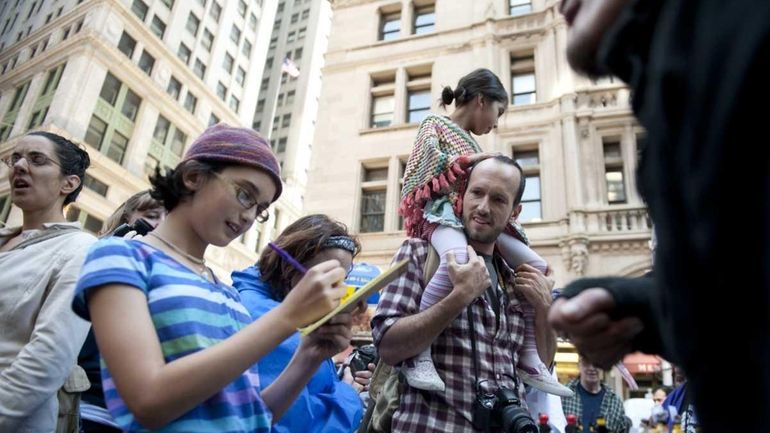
x=411, y=335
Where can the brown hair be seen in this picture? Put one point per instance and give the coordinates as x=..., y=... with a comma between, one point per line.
x=303, y=239
x=138, y=202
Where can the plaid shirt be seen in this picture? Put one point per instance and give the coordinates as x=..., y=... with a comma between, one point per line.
x=611, y=408
x=423, y=411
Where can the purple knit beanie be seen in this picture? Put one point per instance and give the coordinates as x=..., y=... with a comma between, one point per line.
x=243, y=146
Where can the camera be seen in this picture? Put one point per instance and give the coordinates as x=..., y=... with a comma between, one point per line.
x=140, y=226
x=501, y=410
x=362, y=357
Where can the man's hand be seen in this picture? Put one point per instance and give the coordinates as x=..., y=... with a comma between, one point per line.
x=585, y=319
x=469, y=280
x=534, y=286
x=360, y=382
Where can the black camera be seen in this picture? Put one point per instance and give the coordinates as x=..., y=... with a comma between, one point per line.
x=362, y=357
x=501, y=410
x=140, y=226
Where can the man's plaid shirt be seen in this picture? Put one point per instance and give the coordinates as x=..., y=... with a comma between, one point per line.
x=450, y=411
x=611, y=408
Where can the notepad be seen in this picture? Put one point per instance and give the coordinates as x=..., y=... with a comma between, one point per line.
x=351, y=301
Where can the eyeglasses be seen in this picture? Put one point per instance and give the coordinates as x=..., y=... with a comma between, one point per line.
x=246, y=199
x=35, y=159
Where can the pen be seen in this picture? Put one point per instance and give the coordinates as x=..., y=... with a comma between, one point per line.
x=286, y=256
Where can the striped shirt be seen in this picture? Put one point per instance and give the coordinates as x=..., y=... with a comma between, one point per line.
x=497, y=342
x=189, y=314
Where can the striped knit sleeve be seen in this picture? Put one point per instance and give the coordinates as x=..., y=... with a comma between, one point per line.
x=428, y=160
x=110, y=261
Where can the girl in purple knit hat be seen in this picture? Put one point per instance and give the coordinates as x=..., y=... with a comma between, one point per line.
x=179, y=351
x=435, y=176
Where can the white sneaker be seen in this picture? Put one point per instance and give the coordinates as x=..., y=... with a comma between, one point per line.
x=539, y=377
x=423, y=375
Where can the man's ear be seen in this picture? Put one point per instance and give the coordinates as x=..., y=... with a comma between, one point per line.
x=516, y=211
x=70, y=183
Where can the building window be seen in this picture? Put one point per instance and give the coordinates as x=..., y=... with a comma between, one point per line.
x=240, y=76
x=301, y=33
x=305, y=14
x=264, y=84
x=531, y=201
x=390, y=26
x=95, y=185
x=208, y=40
x=190, y=102
x=418, y=95
x=253, y=22
x=199, y=69
x=281, y=147
x=111, y=130
x=297, y=55
x=294, y=18
x=146, y=62
x=169, y=3
x=383, y=101
x=174, y=87
x=424, y=20
x=613, y=172
x=289, y=97
x=235, y=34
x=5, y=208
x=523, y=85
x=193, y=23
x=286, y=120
x=43, y=102
x=290, y=37
x=158, y=27
x=216, y=11
x=273, y=42
x=184, y=53
x=246, y=48
x=127, y=44
x=168, y=144
x=228, y=63
x=221, y=91
x=90, y=223
x=140, y=8
x=242, y=6
x=373, y=197
x=213, y=119
x=519, y=7
x=235, y=103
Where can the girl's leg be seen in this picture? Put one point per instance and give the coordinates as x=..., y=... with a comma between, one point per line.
x=421, y=373
x=530, y=367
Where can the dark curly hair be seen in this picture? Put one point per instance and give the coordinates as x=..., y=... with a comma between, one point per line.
x=479, y=82
x=74, y=160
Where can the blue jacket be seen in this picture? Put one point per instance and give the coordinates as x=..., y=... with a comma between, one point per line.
x=325, y=404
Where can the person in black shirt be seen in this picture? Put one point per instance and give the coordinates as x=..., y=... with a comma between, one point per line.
x=698, y=70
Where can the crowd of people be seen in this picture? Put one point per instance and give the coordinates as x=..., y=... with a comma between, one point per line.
x=132, y=331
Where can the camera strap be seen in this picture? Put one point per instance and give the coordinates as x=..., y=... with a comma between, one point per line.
x=471, y=324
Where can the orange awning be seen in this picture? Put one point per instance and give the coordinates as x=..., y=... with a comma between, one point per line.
x=640, y=363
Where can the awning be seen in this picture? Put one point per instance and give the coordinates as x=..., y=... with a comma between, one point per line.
x=640, y=363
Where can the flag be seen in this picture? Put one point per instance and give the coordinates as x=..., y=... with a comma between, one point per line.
x=290, y=67
x=627, y=376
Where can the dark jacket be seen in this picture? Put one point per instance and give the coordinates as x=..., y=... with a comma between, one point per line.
x=700, y=75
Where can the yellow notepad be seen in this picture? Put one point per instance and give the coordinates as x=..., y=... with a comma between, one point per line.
x=351, y=301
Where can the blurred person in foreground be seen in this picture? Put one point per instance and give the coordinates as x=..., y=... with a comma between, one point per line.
x=697, y=70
